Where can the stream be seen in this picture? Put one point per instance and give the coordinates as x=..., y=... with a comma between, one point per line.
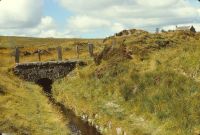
x=76, y=124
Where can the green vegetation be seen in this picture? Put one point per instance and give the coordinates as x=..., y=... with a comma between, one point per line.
x=157, y=92
x=24, y=108
x=145, y=84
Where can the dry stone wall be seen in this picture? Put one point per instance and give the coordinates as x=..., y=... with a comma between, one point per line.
x=50, y=70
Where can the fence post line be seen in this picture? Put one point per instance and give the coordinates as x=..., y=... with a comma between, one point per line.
x=91, y=49
x=39, y=55
x=77, y=51
x=59, y=50
x=17, y=55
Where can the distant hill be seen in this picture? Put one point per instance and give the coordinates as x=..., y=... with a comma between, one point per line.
x=7, y=41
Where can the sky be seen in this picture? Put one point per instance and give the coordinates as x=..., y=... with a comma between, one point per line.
x=93, y=18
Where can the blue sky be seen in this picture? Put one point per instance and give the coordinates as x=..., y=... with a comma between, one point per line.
x=93, y=19
x=194, y=2
x=53, y=9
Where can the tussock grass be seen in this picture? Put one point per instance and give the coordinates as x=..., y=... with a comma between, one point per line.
x=25, y=109
x=156, y=92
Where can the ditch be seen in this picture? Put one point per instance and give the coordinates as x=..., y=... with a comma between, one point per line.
x=76, y=124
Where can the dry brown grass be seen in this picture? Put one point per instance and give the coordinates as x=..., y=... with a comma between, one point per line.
x=156, y=92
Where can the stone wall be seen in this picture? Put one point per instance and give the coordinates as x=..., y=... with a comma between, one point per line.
x=51, y=70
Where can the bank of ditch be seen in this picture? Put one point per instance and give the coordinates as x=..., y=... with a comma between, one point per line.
x=77, y=125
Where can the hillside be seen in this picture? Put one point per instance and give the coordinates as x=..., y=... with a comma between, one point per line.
x=143, y=84
x=24, y=108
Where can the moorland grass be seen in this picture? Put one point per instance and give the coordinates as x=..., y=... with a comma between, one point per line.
x=24, y=108
x=156, y=92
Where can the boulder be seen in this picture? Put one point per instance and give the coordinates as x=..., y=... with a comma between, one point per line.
x=26, y=53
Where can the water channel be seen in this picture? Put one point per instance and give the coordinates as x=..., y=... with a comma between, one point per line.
x=76, y=124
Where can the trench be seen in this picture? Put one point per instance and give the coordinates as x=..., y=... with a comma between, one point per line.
x=75, y=123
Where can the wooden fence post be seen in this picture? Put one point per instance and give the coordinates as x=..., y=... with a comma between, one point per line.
x=17, y=54
x=59, y=50
x=91, y=49
x=78, y=50
x=39, y=55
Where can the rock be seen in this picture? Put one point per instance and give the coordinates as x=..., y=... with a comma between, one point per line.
x=84, y=117
x=123, y=33
x=130, y=32
x=96, y=116
x=42, y=52
x=36, y=51
x=162, y=43
x=101, y=129
x=90, y=121
x=26, y=53
x=5, y=134
x=52, y=70
x=96, y=126
x=119, y=131
x=109, y=124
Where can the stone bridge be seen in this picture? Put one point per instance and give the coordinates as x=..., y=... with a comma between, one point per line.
x=36, y=71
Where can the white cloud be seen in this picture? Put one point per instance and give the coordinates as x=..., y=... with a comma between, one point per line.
x=86, y=23
x=156, y=3
x=20, y=13
x=78, y=25
x=116, y=27
x=45, y=28
x=80, y=5
x=128, y=13
x=94, y=17
x=46, y=23
x=25, y=18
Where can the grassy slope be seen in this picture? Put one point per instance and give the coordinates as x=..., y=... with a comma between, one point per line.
x=24, y=109
x=23, y=106
x=157, y=92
